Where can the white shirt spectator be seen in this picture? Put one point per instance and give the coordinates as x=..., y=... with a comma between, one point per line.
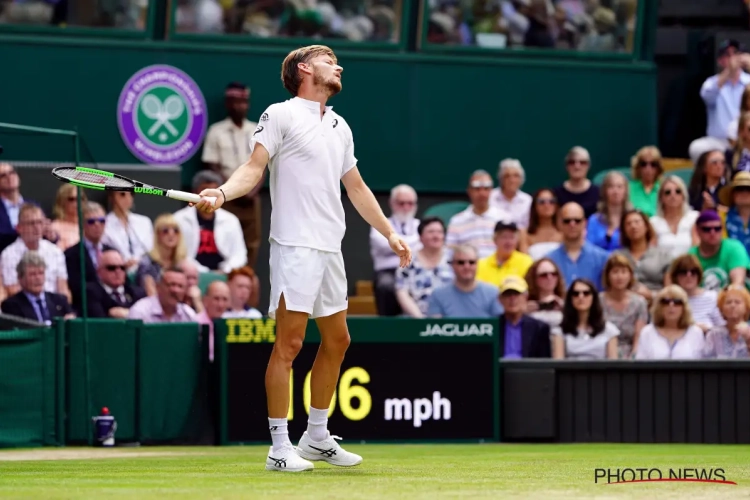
x=519, y=207
x=53, y=257
x=228, y=145
x=679, y=243
x=306, y=187
x=132, y=242
x=651, y=345
x=382, y=255
x=469, y=228
x=227, y=234
x=248, y=313
x=584, y=346
x=705, y=309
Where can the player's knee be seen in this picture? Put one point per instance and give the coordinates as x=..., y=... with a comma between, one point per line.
x=338, y=344
x=288, y=349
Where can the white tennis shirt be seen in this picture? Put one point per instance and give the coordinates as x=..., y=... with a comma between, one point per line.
x=308, y=158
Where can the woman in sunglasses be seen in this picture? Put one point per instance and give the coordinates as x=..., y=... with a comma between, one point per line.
x=710, y=175
x=646, y=169
x=578, y=188
x=622, y=307
x=732, y=340
x=169, y=250
x=584, y=332
x=674, y=222
x=686, y=271
x=546, y=292
x=542, y=235
x=131, y=234
x=65, y=212
x=672, y=333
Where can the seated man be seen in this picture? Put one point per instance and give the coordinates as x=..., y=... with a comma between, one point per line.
x=214, y=240
x=465, y=297
x=167, y=305
x=521, y=336
x=724, y=261
x=193, y=295
x=32, y=302
x=111, y=296
x=31, y=221
x=403, y=204
x=241, y=289
x=215, y=304
x=506, y=261
x=474, y=226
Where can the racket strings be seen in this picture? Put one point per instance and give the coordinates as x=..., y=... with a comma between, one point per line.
x=79, y=175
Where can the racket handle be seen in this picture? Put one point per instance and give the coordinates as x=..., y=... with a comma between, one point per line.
x=189, y=197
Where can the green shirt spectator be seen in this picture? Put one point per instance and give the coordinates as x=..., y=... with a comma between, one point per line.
x=646, y=169
x=643, y=200
x=717, y=268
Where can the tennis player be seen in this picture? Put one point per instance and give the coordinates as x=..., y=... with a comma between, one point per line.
x=309, y=150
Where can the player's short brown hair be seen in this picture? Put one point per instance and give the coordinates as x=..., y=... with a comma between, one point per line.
x=290, y=75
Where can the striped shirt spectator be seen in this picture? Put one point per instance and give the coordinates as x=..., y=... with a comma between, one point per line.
x=30, y=227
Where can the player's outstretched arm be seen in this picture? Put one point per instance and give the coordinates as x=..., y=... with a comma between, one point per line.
x=242, y=181
x=367, y=206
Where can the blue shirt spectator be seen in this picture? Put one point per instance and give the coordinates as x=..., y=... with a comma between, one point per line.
x=597, y=234
x=451, y=302
x=589, y=265
x=722, y=103
x=512, y=336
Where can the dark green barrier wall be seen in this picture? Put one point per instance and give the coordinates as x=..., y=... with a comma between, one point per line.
x=424, y=120
x=31, y=387
x=147, y=375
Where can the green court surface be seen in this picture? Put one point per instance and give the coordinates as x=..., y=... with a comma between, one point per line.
x=388, y=471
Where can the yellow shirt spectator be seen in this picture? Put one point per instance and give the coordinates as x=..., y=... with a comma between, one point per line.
x=490, y=272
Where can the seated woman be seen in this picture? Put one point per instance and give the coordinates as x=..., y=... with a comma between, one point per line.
x=169, y=250
x=65, y=212
x=584, y=332
x=130, y=233
x=646, y=169
x=508, y=195
x=674, y=222
x=730, y=341
x=578, y=188
x=686, y=272
x=542, y=235
x=241, y=283
x=429, y=269
x=650, y=263
x=603, y=228
x=710, y=175
x=671, y=333
x=546, y=292
x=622, y=307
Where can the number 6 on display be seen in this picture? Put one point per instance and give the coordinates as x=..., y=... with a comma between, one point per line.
x=346, y=393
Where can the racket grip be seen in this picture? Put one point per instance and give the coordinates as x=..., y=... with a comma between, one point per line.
x=189, y=197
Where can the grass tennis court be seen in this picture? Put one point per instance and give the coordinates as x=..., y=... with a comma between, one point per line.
x=389, y=471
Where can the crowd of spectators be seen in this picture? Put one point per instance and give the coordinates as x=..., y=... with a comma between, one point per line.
x=622, y=270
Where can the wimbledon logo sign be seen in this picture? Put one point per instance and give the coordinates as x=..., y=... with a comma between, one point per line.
x=161, y=115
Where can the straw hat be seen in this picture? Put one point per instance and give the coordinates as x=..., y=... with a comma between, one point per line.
x=741, y=179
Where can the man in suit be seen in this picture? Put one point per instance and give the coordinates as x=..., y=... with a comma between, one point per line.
x=112, y=295
x=32, y=302
x=93, y=229
x=521, y=336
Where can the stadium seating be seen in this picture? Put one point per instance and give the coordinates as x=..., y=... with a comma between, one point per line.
x=446, y=210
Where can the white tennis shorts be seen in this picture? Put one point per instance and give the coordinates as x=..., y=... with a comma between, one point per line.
x=311, y=280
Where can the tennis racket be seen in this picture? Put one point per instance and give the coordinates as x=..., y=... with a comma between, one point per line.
x=102, y=180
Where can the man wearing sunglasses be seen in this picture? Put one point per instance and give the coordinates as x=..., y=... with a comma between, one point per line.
x=112, y=295
x=724, y=261
x=93, y=230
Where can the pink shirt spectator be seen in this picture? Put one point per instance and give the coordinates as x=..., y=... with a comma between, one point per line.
x=149, y=310
x=203, y=319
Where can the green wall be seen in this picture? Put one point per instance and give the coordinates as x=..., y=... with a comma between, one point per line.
x=427, y=120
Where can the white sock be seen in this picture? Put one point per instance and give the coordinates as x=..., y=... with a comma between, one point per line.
x=279, y=432
x=317, y=424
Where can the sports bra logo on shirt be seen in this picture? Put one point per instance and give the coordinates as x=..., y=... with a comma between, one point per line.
x=335, y=122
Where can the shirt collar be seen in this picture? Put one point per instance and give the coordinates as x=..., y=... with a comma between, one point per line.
x=309, y=104
x=91, y=245
x=109, y=289
x=33, y=298
x=9, y=204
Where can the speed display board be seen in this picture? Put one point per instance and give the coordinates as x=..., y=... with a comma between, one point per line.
x=402, y=379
